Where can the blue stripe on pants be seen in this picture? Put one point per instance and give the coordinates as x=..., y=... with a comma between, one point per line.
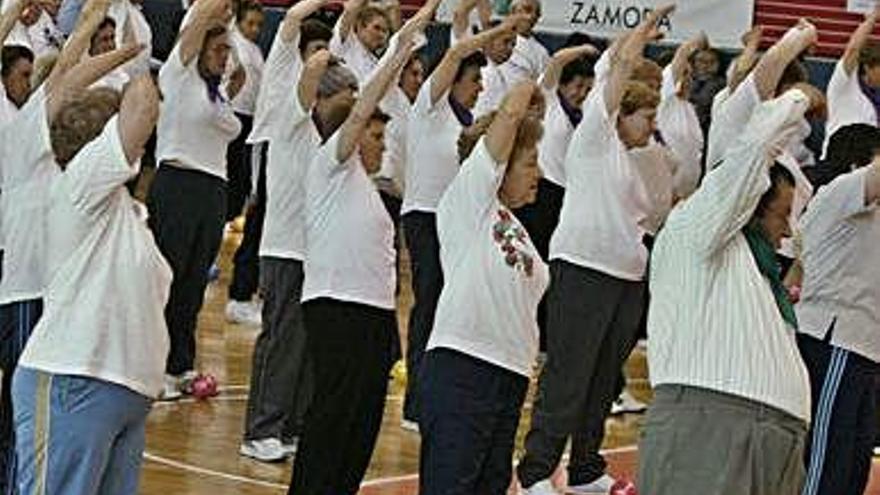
x=77, y=435
x=17, y=321
x=822, y=420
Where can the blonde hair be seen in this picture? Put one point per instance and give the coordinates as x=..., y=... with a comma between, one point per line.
x=646, y=71
x=80, y=120
x=636, y=96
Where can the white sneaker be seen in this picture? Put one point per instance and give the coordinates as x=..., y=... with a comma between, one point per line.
x=244, y=312
x=290, y=448
x=265, y=450
x=409, y=425
x=171, y=389
x=544, y=487
x=602, y=485
x=627, y=404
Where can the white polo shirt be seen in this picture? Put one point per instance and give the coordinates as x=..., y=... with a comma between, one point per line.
x=529, y=60
x=293, y=142
x=251, y=59
x=605, y=199
x=842, y=267
x=349, y=235
x=713, y=321
x=104, y=311
x=28, y=168
x=847, y=104
x=432, y=151
x=495, y=277
x=193, y=131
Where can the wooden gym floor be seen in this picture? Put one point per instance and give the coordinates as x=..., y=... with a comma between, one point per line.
x=192, y=446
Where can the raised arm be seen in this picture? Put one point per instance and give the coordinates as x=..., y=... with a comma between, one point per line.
x=745, y=62
x=461, y=18
x=394, y=15
x=681, y=62
x=858, y=40
x=92, y=15
x=560, y=60
x=769, y=69
x=501, y=136
x=10, y=17
x=138, y=114
x=307, y=89
x=296, y=15
x=206, y=14
x=369, y=99
x=86, y=73
x=444, y=74
x=727, y=199
x=628, y=53
x=345, y=24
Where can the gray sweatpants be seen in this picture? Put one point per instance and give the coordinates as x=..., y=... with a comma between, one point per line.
x=592, y=323
x=697, y=441
x=281, y=382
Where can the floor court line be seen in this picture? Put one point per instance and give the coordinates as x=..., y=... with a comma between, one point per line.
x=374, y=483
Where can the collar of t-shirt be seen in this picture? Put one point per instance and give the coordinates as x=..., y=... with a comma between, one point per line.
x=873, y=95
x=575, y=115
x=463, y=114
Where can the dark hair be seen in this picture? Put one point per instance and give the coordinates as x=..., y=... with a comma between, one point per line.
x=794, y=73
x=849, y=148
x=247, y=6
x=12, y=54
x=312, y=30
x=380, y=116
x=580, y=39
x=779, y=176
x=475, y=60
x=107, y=22
x=869, y=56
x=577, y=68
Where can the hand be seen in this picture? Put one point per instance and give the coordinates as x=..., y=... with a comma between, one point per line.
x=236, y=81
x=649, y=30
x=806, y=27
x=753, y=36
x=319, y=61
x=215, y=9
x=354, y=5
x=818, y=102
x=305, y=8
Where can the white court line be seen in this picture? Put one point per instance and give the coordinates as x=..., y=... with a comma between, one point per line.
x=378, y=482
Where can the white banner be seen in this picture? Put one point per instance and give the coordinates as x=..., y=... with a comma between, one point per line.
x=863, y=6
x=724, y=21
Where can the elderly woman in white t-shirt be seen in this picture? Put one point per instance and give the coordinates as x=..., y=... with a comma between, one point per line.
x=187, y=200
x=485, y=337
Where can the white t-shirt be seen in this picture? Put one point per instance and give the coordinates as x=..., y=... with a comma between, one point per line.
x=361, y=61
x=497, y=81
x=529, y=60
x=28, y=168
x=680, y=127
x=432, y=151
x=42, y=38
x=104, y=312
x=193, y=131
x=494, y=275
x=605, y=201
x=399, y=108
x=349, y=235
x=8, y=111
x=251, y=59
x=294, y=140
x=558, y=131
x=847, y=104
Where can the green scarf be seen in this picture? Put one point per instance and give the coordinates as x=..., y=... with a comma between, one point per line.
x=765, y=257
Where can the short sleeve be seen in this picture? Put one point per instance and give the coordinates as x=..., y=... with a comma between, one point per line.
x=174, y=74
x=424, y=107
x=472, y=193
x=594, y=139
x=98, y=169
x=842, y=198
x=21, y=157
x=279, y=109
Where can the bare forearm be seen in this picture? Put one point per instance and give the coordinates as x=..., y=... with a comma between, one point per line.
x=501, y=135
x=857, y=41
x=295, y=16
x=9, y=18
x=769, y=69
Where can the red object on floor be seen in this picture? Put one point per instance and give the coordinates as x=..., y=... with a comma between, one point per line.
x=623, y=487
x=204, y=386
